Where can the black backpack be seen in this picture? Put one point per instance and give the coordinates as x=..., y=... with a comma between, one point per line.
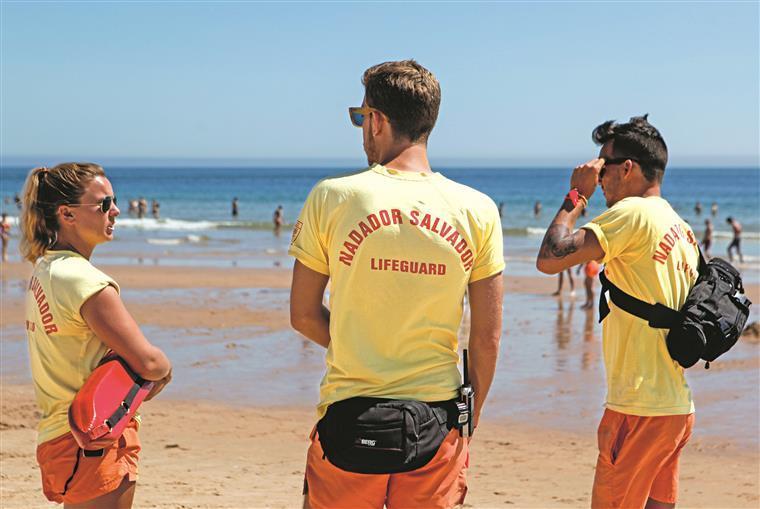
x=710, y=321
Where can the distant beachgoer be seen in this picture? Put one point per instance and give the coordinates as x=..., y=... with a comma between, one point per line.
x=5, y=232
x=590, y=270
x=649, y=410
x=707, y=238
x=714, y=209
x=584, y=212
x=698, y=209
x=142, y=207
x=277, y=219
x=367, y=234
x=537, y=208
x=17, y=201
x=736, y=242
x=559, y=285
x=155, y=209
x=134, y=205
x=501, y=209
x=74, y=316
x=235, y=207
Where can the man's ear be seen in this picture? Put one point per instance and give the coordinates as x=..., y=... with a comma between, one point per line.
x=65, y=214
x=377, y=123
x=628, y=169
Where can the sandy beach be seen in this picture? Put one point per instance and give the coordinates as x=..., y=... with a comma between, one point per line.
x=232, y=429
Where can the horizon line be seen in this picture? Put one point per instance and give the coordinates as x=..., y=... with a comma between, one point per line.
x=349, y=162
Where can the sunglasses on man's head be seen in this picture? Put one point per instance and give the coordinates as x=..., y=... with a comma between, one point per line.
x=359, y=114
x=105, y=204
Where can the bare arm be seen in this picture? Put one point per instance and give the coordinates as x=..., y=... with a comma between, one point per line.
x=106, y=315
x=562, y=248
x=486, y=297
x=307, y=314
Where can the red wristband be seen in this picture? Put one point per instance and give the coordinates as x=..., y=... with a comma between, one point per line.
x=574, y=196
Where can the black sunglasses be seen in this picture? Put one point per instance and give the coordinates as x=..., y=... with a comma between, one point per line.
x=618, y=160
x=105, y=204
x=615, y=160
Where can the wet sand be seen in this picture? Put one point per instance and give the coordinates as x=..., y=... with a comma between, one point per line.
x=245, y=387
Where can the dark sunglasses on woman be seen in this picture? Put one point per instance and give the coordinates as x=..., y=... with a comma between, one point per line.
x=105, y=204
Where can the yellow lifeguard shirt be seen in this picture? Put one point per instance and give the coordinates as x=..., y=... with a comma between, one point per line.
x=651, y=254
x=62, y=349
x=400, y=249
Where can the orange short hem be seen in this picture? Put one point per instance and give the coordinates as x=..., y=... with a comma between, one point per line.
x=64, y=480
x=638, y=459
x=442, y=483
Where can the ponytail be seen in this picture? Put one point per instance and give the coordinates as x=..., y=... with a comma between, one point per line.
x=35, y=236
x=44, y=191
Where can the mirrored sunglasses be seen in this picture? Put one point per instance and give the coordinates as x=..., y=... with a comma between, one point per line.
x=359, y=114
x=105, y=204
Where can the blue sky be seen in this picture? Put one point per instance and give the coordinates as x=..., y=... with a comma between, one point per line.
x=523, y=83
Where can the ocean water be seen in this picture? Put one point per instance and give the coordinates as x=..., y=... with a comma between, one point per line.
x=551, y=350
x=196, y=225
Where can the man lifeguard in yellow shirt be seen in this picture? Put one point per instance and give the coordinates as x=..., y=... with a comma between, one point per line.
x=650, y=253
x=401, y=246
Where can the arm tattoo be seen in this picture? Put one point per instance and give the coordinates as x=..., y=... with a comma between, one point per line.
x=558, y=242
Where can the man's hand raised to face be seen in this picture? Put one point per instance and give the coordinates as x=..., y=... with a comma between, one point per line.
x=586, y=177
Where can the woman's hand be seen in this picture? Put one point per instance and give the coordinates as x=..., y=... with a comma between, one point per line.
x=158, y=386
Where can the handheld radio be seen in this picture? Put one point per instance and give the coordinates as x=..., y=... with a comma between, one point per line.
x=466, y=401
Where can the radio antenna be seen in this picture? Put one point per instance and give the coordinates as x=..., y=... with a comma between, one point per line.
x=465, y=372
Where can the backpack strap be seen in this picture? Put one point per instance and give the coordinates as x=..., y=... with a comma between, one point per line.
x=657, y=315
x=702, y=268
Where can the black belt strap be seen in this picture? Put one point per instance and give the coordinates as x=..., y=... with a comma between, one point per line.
x=124, y=407
x=658, y=315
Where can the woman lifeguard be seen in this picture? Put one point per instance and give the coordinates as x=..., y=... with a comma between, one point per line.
x=74, y=315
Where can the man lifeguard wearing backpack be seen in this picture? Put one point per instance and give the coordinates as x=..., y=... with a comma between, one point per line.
x=650, y=253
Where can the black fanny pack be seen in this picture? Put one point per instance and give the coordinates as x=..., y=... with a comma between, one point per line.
x=384, y=436
x=710, y=321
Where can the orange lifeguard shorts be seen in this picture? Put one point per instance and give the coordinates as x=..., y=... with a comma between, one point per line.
x=68, y=476
x=638, y=459
x=441, y=483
